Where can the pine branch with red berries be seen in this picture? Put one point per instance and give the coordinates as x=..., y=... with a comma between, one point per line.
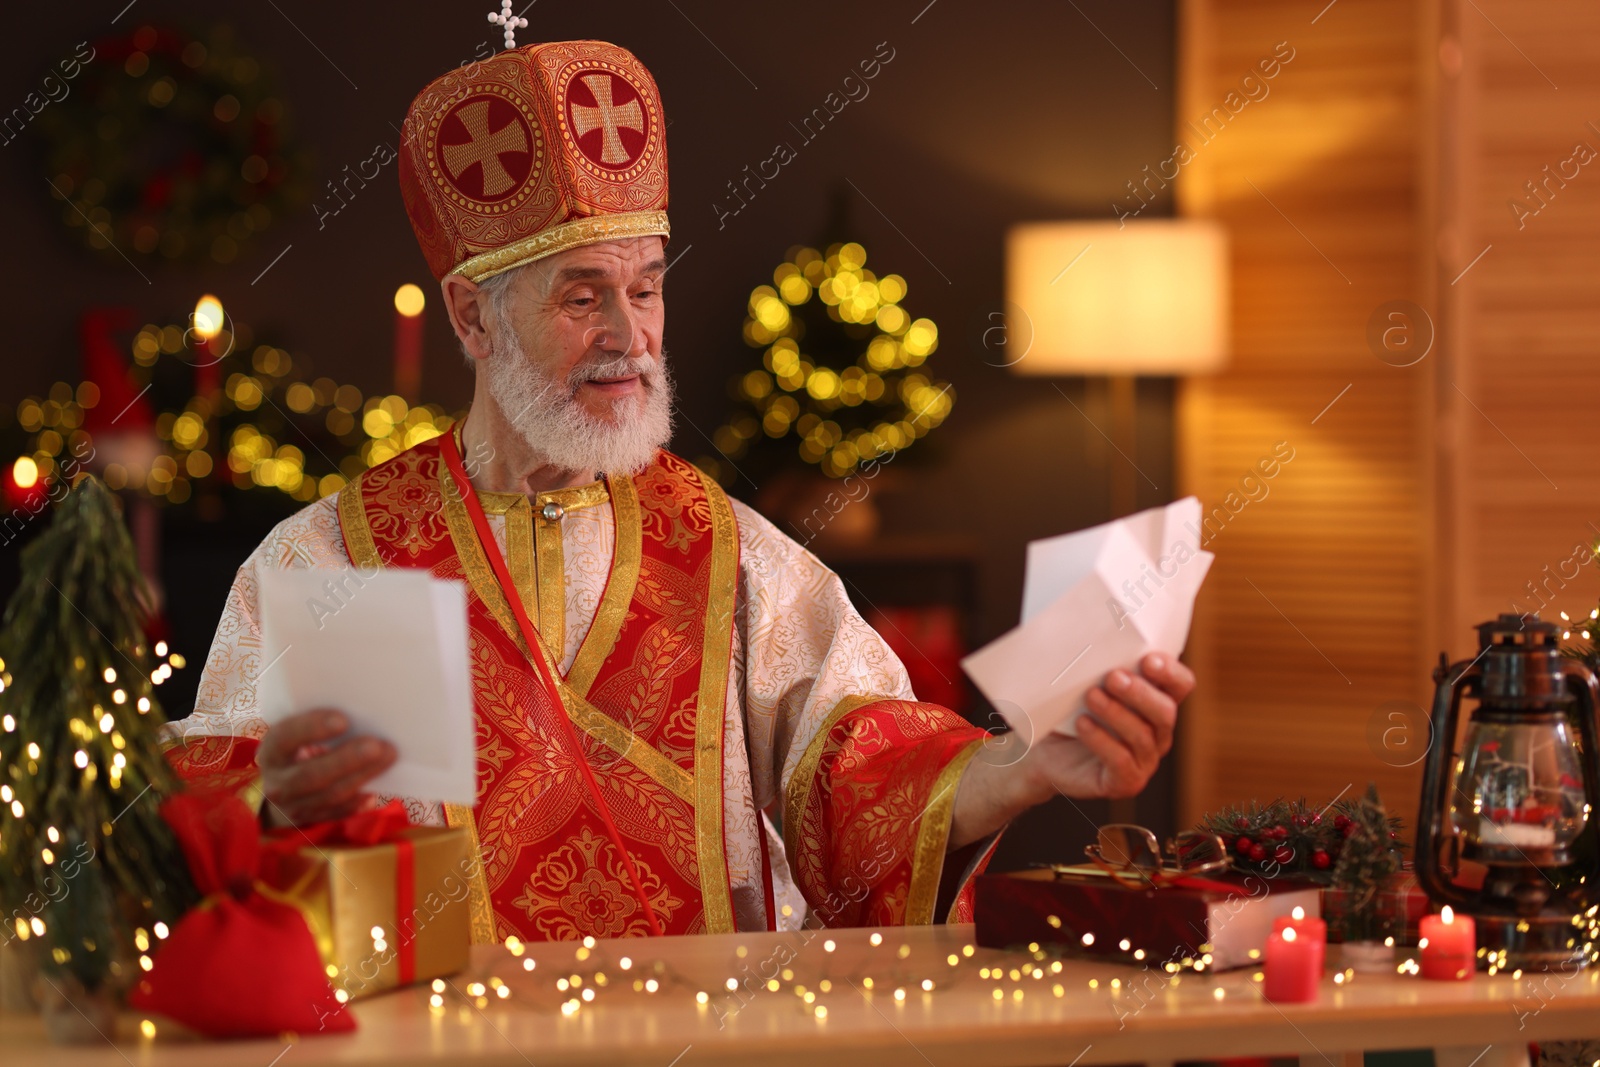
x=1291, y=837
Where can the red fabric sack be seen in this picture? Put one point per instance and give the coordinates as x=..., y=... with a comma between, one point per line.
x=239, y=964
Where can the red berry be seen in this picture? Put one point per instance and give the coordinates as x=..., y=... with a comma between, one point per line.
x=1283, y=853
x=1302, y=820
x=1340, y=822
x=1241, y=823
x=1320, y=860
x=1258, y=853
x=1242, y=846
x=1316, y=819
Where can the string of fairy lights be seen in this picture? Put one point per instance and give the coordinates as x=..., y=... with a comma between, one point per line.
x=598, y=973
x=266, y=425
x=849, y=402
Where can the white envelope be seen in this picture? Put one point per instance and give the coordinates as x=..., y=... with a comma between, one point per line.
x=389, y=649
x=1093, y=601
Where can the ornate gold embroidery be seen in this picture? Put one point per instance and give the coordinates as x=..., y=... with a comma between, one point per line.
x=478, y=889
x=552, y=599
x=798, y=794
x=520, y=561
x=357, y=532
x=585, y=231
x=715, y=652
x=627, y=744
x=608, y=617
x=933, y=838
x=579, y=889
x=614, y=736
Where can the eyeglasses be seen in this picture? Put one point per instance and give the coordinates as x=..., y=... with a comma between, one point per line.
x=1131, y=855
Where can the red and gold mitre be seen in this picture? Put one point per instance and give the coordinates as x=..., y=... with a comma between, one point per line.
x=531, y=152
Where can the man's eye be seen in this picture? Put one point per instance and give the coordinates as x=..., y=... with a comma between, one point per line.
x=582, y=301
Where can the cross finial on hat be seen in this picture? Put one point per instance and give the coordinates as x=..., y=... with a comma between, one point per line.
x=512, y=23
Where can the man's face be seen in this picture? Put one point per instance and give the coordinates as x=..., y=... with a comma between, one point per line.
x=589, y=307
x=576, y=364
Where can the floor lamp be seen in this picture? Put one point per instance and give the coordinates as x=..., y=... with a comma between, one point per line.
x=1113, y=301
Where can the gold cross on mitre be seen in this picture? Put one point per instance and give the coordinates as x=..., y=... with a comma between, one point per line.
x=512, y=23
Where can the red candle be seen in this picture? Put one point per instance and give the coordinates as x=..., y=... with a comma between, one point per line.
x=1294, y=967
x=1448, y=946
x=408, y=304
x=1309, y=928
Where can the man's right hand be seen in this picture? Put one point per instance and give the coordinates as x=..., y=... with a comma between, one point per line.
x=310, y=771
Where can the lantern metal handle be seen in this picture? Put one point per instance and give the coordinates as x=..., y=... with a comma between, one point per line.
x=1450, y=683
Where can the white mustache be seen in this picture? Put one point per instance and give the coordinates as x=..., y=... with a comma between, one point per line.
x=614, y=367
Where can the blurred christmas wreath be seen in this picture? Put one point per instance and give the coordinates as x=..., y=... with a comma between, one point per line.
x=840, y=383
x=171, y=146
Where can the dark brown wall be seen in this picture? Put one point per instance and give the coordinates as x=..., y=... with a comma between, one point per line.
x=988, y=114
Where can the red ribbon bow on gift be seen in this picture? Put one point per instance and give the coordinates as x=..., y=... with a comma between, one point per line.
x=238, y=964
x=365, y=829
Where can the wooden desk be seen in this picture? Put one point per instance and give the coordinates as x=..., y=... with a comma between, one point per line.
x=1143, y=1017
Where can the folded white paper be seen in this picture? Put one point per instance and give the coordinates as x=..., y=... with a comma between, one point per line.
x=389, y=650
x=1093, y=601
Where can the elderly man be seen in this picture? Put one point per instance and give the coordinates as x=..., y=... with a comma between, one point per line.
x=682, y=724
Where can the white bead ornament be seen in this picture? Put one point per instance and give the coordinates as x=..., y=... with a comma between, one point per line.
x=512, y=23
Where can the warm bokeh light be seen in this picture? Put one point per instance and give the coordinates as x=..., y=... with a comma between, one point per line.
x=25, y=472
x=208, y=317
x=409, y=300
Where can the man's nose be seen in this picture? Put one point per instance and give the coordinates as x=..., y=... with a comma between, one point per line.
x=615, y=327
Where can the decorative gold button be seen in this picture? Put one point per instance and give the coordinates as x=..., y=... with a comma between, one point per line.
x=552, y=512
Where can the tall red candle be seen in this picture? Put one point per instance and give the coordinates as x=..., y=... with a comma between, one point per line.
x=408, y=304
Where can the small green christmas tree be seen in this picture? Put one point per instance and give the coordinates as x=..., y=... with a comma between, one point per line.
x=1366, y=863
x=87, y=865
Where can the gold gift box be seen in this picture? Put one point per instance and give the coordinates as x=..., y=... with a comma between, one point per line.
x=355, y=902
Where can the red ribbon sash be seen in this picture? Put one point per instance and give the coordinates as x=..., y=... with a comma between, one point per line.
x=463, y=485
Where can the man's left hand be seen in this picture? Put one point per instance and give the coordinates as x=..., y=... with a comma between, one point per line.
x=1120, y=742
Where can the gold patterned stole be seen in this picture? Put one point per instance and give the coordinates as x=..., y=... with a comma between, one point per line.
x=646, y=690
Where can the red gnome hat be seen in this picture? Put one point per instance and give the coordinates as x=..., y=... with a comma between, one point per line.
x=531, y=152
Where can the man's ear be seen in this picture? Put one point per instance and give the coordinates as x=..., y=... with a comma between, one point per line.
x=465, y=306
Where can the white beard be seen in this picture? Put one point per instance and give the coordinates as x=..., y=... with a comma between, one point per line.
x=546, y=412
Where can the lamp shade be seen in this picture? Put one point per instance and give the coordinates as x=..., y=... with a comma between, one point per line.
x=1146, y=297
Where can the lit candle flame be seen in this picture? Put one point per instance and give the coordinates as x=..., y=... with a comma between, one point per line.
x=208, y=317
x=1298, y=913
x=409, y=300
x=1288, y=933
x=1446, y=915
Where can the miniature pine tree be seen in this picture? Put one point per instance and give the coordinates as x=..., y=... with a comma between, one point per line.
x=1366, y=863
x=87, y=865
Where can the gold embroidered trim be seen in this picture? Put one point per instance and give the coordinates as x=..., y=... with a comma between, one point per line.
x=357, y=531
x=627, y=556
x=459, y=815
x=520, y=559
x=797, y=794
x=629, y=745
x=708, y=725
x=933, y=838
x=552, y=575
x=602, y=728
x=573, y=497
x=364, y=554
x=571, y=234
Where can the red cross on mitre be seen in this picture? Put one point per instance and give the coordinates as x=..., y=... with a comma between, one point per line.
x=486, y=148
x=609, y=123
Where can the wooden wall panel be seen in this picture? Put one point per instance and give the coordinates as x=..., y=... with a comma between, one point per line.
x=1315, y=613
x=1523, y=490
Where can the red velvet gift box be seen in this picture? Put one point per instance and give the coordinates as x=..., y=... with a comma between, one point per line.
x=1082, y=911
